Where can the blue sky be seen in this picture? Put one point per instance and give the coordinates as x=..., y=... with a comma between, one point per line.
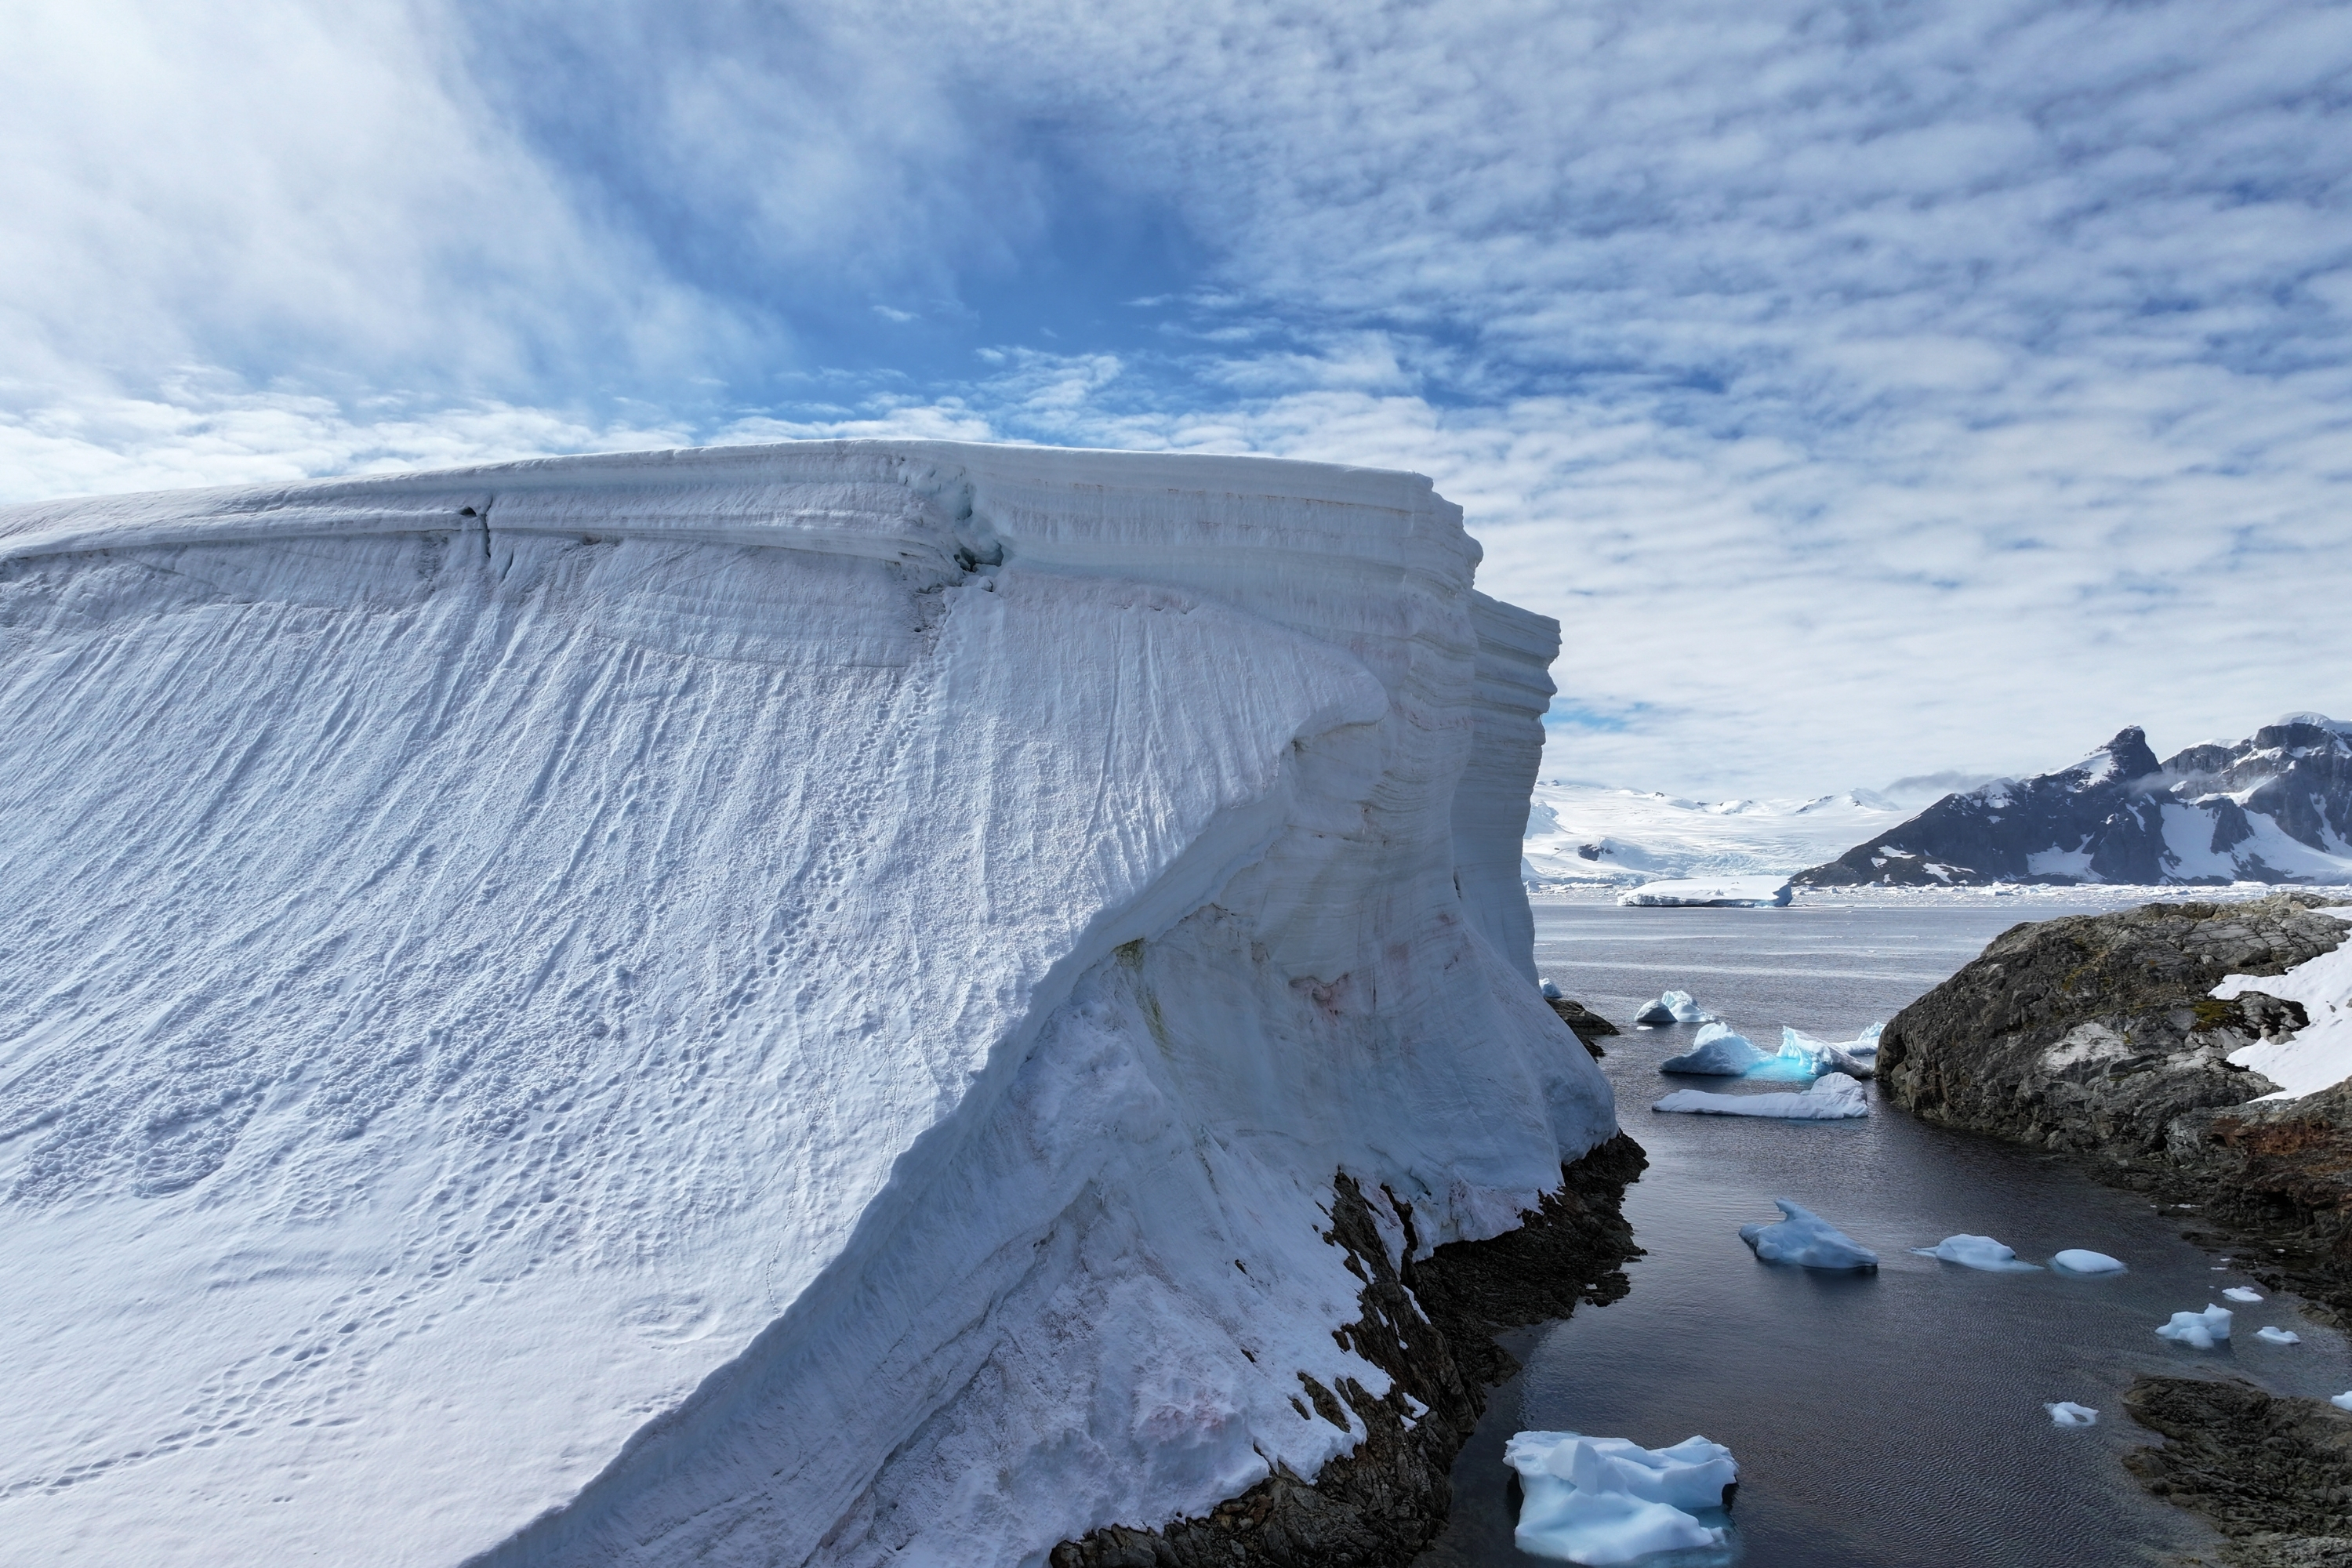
x=1870, y=389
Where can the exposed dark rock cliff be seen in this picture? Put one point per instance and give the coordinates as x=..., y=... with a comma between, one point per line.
x=2272, y=1473
x=2094, y=1036
x=1587, y=1025
x=1431, y=1327
x=2275, y=808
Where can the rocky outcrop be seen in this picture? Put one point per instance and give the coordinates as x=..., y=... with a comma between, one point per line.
x=2272, y=1473
x=2094, y=1036
x=2275, y=807
x=1431, y=1324
x=1587, y=1025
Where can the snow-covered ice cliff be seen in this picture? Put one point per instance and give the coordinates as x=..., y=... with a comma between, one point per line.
x=784, y=1004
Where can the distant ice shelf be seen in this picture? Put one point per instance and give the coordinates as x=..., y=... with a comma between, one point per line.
x=740, y=1007
x=1709, y=892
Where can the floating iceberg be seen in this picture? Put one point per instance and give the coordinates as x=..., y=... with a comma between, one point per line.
x=2066, y=1413
x=2080, y=1260
x=2199, y=1331
x=1709, y=892
x=1805, y=1239
x=660, y=1009
x=2240, y=1293
x=1550, y=993
x=1834, y=1097
x=2279, y=1336
x=1801, y=1056
x=1978, y=1252
x=1598, y=1501
x=1673, y=1007
x=2341, y=1401
x=1717, y=1053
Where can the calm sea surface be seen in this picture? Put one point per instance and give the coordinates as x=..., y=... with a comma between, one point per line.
x=1879, y=1420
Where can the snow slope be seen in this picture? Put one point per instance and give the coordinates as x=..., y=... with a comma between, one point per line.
x=1587, y=833
x=785, y=1004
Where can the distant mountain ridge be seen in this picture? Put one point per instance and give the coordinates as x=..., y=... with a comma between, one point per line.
x=2276, y=807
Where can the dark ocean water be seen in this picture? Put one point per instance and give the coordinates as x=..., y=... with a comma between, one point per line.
x=1880, y=1420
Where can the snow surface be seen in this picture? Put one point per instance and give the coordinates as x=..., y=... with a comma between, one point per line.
x=1807, y=1239
x=2318, y=1055
x=2080, y=1260
x=2197, y=1330
x=1709, y=892
x=1608, y=1499
x=788, y=1005
x=2278, y=1336
x=2066, y=1413
x=1978, y=1252
x=2241, y=1293
x=1717, y=1053
x=1834, y=1097
x=1586, y=834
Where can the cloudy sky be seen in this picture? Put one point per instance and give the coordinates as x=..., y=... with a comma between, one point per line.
x=1870, y=389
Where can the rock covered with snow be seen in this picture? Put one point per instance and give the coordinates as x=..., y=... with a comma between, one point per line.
x=2197, y=1330
x=1718, y=1052
x=1598, y=1501
x=1981, y=1252
x=1806, y=1239
x=1708, y=892
x=2319, y=1053
x=740, y=1005
x=1833, y=1097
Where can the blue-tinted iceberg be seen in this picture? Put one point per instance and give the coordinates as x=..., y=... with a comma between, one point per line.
x=1673, y=1007
x=1717, y=1053
x=1605, y=1500
x=1978, y=1252
x=1803, y=1057
x=2197, y=1330
x=2066, y=1413
x=2080, y=1260
x=1806, y=1239
x=1834, y=1097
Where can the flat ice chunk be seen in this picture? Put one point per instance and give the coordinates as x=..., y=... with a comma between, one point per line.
x=2066, y=1413
x=1834, y=1097
x=2240, y=1293
x=2278, y=1336
x=2080, y=1260
x=2341, y=1401
x=1689, y=892
x=1978, y=1252
x=2197, y=1330
x=1606, y=1499
x=1673, y=1007
x=1718, y=1053
x=1806, y=1239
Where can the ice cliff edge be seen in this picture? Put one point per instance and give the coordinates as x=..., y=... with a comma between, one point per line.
x=780, y=1005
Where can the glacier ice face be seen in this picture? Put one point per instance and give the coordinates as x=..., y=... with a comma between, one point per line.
x=1981, y=1252
x=1606, y=1499
x=2197, y=1330
x=1718, y=1052
x=739, y=1006
x=1806, y=1239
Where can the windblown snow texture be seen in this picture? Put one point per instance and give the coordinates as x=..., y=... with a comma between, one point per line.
x=2275, y=808
x=788, y=1005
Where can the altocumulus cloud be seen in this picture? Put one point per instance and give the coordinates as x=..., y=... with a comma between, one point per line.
x=1869, y=389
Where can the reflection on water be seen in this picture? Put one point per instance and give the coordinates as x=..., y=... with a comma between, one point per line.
x=1879, y=1420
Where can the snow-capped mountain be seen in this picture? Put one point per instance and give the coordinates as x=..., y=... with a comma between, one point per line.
x=1579, y=833
x=2275, y=808
x=796, y=1004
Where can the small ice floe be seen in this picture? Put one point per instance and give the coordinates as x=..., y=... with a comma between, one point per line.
x=1606, y=1499
x=1690, y=893
x=1550, y=992
x=2066, y=1413
x=1834, y=1097
x=1801, y=1056
x=2197, y=1330
x=2279, y=1336
x=1673, y=1007
x=1978, y=1252
x=2240, y=1293
x=2080, y=1260
x=1806, y=1239
x=2341, y=1401
x=1718, y=1052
